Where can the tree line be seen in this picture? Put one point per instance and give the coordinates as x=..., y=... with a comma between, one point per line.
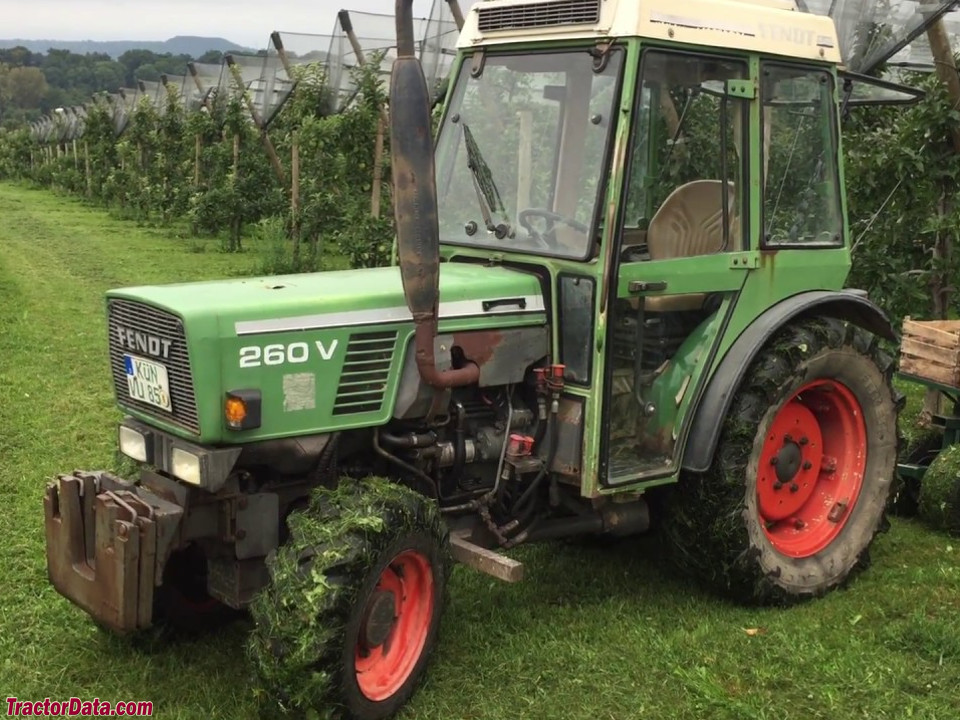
x=33, y=84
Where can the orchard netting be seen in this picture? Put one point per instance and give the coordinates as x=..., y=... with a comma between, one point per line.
x=877, y=32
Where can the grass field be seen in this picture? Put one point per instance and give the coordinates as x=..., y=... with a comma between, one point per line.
x=594, y=633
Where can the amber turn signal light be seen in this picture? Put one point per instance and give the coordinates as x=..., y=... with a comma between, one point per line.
x=241, y=409
x=234, y=410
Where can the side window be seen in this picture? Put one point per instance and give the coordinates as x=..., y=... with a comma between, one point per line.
x=801, y=197
x=576, y=326
x=686, y=193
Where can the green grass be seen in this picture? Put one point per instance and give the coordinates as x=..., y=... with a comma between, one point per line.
x=593, y=633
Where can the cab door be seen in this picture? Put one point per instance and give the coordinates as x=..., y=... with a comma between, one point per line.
x=682, y=254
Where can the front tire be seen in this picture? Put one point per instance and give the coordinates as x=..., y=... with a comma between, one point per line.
x=351, y=615
x=801, y=478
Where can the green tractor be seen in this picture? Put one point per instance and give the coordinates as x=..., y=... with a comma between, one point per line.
x=618, y=305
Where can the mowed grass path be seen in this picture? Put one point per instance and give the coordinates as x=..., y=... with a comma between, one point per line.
x=595, y=632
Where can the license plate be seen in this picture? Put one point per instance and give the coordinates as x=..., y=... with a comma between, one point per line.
x=147, y=381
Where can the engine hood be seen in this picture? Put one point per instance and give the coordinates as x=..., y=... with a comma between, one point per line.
x=257, y=305
x=326, y=351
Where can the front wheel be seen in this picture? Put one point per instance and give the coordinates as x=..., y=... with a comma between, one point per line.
x=351, y=615
x=800, y=481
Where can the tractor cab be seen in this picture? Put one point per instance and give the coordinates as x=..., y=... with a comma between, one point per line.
x=650, y=175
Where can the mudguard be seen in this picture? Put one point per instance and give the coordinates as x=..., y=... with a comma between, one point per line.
x=850, y=305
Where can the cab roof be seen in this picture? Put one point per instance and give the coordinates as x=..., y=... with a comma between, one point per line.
x=771, y=27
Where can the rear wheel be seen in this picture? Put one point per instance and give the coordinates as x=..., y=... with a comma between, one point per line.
x=351, y=615
x=800, y=481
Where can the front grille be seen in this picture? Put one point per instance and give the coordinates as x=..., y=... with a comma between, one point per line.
x=159, y=323
x=366, y=368
x=546, y=14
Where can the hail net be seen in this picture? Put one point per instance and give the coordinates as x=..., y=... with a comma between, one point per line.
x=376, y=36
x=297, y=57
x=123, y=104
x=877, y=32
x=269, y=78
x=241, y=76
x=439, y=44
x=200, y=85
x=152, y=94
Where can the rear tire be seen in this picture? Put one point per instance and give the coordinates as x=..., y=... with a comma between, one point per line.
x=351, y=615
x=803, y=471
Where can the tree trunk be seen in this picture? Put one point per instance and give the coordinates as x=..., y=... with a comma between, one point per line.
x=939, y=281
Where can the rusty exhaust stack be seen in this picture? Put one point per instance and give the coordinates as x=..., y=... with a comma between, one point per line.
x=415, y=202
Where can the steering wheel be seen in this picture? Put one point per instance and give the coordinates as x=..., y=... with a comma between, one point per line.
x=552, y=219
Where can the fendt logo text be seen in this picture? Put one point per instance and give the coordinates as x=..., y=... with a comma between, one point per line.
x=144, y=342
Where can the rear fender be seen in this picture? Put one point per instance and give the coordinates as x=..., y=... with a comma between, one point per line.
x=850, y=305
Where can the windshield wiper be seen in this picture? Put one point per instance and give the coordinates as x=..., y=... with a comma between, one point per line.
x=487, y=194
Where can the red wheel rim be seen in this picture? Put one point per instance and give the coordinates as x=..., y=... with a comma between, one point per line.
x=811, y=468
x=384, y=662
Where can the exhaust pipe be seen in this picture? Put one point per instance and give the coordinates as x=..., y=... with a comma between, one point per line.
x=415, y=202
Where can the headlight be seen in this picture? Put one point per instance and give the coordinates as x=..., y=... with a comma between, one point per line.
x=185, y=465
x=133, y=444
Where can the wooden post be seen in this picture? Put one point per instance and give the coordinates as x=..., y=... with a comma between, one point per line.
x=196, y=160
x=295, y=195
x=281, y=53
x=204, y=93
x=946, y=69
x=346, y=24
x=274, y=158
x=235, y=224
x=258, y=121
x=456, y=12
x=525, y=160
x=86, y=168
x=76, y=158
x=377, y=188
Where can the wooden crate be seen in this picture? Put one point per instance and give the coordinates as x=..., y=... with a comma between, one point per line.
x=930, y=349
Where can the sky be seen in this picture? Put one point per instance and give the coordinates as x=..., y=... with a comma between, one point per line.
x=248, y=22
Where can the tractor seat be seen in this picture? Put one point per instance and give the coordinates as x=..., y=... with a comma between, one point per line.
x=689, y=222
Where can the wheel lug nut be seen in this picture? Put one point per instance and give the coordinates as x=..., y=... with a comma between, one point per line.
x=774, y=460
x=799, y=524
x=794, y=487
x=807, y=465
x=777, y=485
x=788, y=438
x=804, y=440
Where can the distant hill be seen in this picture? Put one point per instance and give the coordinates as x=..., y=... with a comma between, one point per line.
x=179, y=45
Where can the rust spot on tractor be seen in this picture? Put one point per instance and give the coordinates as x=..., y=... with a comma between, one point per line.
x=479, y=347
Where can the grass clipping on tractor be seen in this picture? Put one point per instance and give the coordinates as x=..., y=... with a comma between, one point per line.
x=297, y=646
x=940, y=492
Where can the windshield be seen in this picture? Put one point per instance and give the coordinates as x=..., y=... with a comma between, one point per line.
x=521, y=153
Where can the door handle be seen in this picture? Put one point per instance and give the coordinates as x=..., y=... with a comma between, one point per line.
x=642, y=286
x=489, y=305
